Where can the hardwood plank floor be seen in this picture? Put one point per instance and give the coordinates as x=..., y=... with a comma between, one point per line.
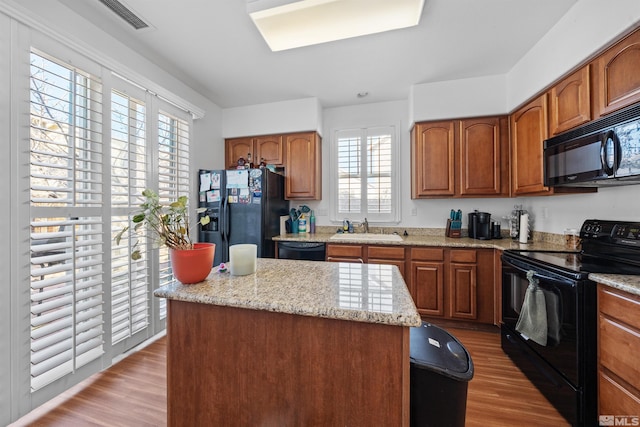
x=133, y=392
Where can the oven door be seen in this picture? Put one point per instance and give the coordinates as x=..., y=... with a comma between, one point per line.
x=561, y=296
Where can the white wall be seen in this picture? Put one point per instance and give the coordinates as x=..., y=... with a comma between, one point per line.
x=277, y=117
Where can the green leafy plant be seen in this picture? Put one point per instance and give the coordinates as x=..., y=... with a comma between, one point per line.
x=168, y=224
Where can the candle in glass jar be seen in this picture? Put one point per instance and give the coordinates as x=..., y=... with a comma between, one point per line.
x=242, y=259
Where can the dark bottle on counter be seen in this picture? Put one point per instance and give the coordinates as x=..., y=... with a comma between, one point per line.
x=249, y=164
x=263, y=164
x=241, y=163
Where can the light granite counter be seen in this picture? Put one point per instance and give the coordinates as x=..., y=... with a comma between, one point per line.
x=427, y=240
x=354, y=292
x=626, y=283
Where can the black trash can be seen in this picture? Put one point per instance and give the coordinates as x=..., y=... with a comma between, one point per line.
x=441, y=369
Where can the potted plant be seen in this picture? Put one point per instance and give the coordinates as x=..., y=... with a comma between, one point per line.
x=169, y=226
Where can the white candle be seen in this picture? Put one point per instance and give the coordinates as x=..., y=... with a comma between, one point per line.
x=242, y=259
x=524, y=228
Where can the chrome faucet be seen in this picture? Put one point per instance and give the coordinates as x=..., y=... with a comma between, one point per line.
x=365, y=225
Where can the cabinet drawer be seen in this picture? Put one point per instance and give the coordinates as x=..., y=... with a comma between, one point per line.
x=621, y=305
x=614, y=398
x=355, y=251
x=619, y=347
x=385, y=252
x=427, y=254
x=462, y=255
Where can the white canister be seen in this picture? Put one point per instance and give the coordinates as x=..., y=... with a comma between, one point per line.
x=524, y=228
x=242, y=259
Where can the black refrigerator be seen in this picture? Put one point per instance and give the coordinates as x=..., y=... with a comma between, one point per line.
x=244, y=206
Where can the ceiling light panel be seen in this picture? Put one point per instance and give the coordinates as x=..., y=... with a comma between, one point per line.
x=287, y=24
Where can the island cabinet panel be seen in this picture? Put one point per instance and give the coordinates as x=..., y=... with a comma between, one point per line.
x=239, y=367
x=618, y=349
x=617, y=81
x=570, y=102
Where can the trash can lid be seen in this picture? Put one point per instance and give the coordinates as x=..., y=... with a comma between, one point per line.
x=431, y=347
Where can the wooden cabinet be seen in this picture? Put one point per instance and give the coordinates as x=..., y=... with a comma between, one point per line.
x=427, y=280
x=394, y=255
x=616, y=77
x=269, y=148
x=345, y=253
x=460, y=158
x=483, y=157
x=528, y=131
x=453, y=283
x=303, y=166
x=432, y=159
x=570, y=102
x=618, y=349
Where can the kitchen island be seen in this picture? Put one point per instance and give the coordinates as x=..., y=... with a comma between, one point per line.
x=296, y=343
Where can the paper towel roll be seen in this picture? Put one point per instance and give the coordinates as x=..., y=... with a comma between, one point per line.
x=524, y=228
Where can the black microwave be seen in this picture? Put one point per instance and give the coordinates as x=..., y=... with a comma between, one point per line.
x=604, y=152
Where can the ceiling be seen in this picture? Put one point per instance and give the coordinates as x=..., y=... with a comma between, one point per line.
x=214, y=47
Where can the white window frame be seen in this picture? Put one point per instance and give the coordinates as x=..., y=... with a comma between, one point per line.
x=363, y=132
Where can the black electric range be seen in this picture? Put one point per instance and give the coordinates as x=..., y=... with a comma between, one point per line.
x=562, y=362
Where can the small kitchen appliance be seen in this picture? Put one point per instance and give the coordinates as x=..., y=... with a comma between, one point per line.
x=480, y=225
x=564, y=366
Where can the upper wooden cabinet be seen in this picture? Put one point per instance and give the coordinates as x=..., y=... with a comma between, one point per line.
x=570, y=102
x=528, y=131
x=460, y=158
x=268, y=148
x=303, y=166
x=483, y=157
x=432, y=159
x=616, y=76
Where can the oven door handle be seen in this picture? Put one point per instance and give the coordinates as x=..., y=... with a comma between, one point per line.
x=554, y=278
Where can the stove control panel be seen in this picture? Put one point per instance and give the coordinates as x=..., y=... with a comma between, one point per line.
x=618, y=232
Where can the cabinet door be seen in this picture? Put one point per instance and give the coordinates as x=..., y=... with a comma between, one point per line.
x=570, y=102
x=432, y=159
x=236, y=148
x=480, y=161
x=303, y=167
x=528, y=131
x=462, y=291
x=617, y=77
x=427, y=279
x=345, y=253
x=268, y=148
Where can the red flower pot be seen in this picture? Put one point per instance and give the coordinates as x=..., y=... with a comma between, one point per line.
x=192, y=265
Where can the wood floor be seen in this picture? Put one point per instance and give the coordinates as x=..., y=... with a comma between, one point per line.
x=133, y=392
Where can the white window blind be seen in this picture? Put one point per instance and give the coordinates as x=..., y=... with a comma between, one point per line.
x=173, y=177
x=66, y=167
x=129, y=279
x=366, y=178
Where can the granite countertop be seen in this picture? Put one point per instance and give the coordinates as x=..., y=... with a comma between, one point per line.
x=354, y=292
x=626, y=283
x=425, y=240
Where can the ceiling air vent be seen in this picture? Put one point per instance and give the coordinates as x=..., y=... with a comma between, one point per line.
x=125, y=13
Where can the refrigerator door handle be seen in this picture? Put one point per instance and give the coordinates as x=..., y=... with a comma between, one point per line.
x=225, y=213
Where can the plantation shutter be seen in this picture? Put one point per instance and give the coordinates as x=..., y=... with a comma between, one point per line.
x=129, y=279
x=365, y=178
x=66, y=279
x=173, y=177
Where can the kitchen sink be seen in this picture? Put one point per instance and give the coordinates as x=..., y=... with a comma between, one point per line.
x=373, y=237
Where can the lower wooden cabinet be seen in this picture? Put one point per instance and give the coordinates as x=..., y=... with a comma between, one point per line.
x=453, y=283
x=618, y=349
x=345, y=253
x=394, y=255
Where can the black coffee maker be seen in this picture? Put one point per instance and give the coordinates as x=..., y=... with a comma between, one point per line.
x=480, y=225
